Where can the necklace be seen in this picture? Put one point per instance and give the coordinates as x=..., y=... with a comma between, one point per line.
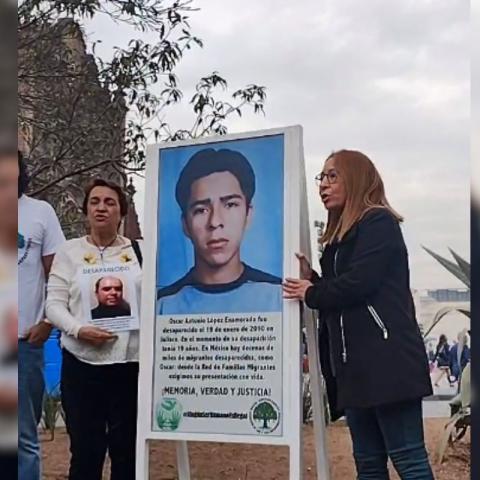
x=102, y=249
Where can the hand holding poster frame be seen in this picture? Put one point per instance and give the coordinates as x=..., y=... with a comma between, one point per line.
x=219, y=347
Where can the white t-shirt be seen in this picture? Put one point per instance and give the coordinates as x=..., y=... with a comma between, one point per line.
x=39, y=235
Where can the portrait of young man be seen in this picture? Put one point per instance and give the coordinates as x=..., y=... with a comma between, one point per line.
x=109, y=296
x=215, y=192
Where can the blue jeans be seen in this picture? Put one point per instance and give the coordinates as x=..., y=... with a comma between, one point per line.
x=394, y=431
x=30, y=397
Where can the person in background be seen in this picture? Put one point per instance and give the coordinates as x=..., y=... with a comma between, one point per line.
x=100, y=369
x=39, y=237
x=442, y=357
x=456, y=367
x=371, y=350
x=430, y=352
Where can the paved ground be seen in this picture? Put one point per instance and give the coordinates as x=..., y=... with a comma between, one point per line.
x=438, y=406
x=251, y=462
x=214, y=461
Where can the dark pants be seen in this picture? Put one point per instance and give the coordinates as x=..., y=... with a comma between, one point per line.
x=394, y=431
x=100, y=404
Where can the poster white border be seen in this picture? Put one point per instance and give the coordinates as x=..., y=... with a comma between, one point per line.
x=292, y=403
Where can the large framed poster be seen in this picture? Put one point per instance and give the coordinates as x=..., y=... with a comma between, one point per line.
x=219, y=347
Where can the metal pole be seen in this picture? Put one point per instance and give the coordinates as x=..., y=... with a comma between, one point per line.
x=319, y=426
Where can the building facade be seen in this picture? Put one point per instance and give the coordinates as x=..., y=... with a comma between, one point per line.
x=72, y=127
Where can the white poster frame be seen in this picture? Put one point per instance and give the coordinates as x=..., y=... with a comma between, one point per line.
x=292, y=402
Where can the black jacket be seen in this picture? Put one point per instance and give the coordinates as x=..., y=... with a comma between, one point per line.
x=442, y=355
x=371, y=348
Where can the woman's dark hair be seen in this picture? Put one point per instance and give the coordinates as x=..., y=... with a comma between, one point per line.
x=100, y=182
x=23, y=178
x=442, y=339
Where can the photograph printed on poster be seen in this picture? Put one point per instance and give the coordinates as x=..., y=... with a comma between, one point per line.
x=220, y=238
x=109, y=297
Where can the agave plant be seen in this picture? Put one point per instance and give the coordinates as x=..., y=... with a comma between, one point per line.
x=459, y=422
x=461, y=270
x=52, y=411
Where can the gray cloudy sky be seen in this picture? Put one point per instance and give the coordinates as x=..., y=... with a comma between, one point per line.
x=390, y=78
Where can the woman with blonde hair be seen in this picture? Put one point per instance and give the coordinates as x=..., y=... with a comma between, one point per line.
x=372, y=353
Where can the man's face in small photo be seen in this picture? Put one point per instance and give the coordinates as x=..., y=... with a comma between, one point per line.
x=110, y=291
x=216, y=218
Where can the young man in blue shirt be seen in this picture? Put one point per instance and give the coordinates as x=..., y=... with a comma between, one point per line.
x=215, y=191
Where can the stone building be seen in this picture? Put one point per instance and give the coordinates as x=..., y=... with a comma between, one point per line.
x=72, y=127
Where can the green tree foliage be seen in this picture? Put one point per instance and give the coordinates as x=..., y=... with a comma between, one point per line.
x=83, y=114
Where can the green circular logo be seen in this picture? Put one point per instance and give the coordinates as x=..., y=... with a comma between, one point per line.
x=169, y=414
x=265, y=416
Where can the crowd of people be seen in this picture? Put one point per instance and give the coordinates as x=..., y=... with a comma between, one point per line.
x=362, y=296
x=447, y=359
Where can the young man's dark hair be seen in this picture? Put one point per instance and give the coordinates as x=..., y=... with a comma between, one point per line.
x=23, y=178
x=208, y=161
x=100, y=182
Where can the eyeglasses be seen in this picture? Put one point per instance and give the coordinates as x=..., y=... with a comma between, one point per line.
x=331, y=176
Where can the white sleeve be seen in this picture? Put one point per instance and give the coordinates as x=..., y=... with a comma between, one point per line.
x=53, y=234
x=58, y=292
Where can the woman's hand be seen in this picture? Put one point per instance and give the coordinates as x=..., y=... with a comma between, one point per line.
x=305, y=267
x=295, y=288
x=95, y=335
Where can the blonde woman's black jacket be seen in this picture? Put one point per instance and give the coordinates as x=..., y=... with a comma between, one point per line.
x=371, y=348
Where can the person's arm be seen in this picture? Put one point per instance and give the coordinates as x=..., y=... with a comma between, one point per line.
x=58, y=292
x=295, y=288
x=47, y=261
x=378, y=236
x=39, y=333
x=52, y=239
